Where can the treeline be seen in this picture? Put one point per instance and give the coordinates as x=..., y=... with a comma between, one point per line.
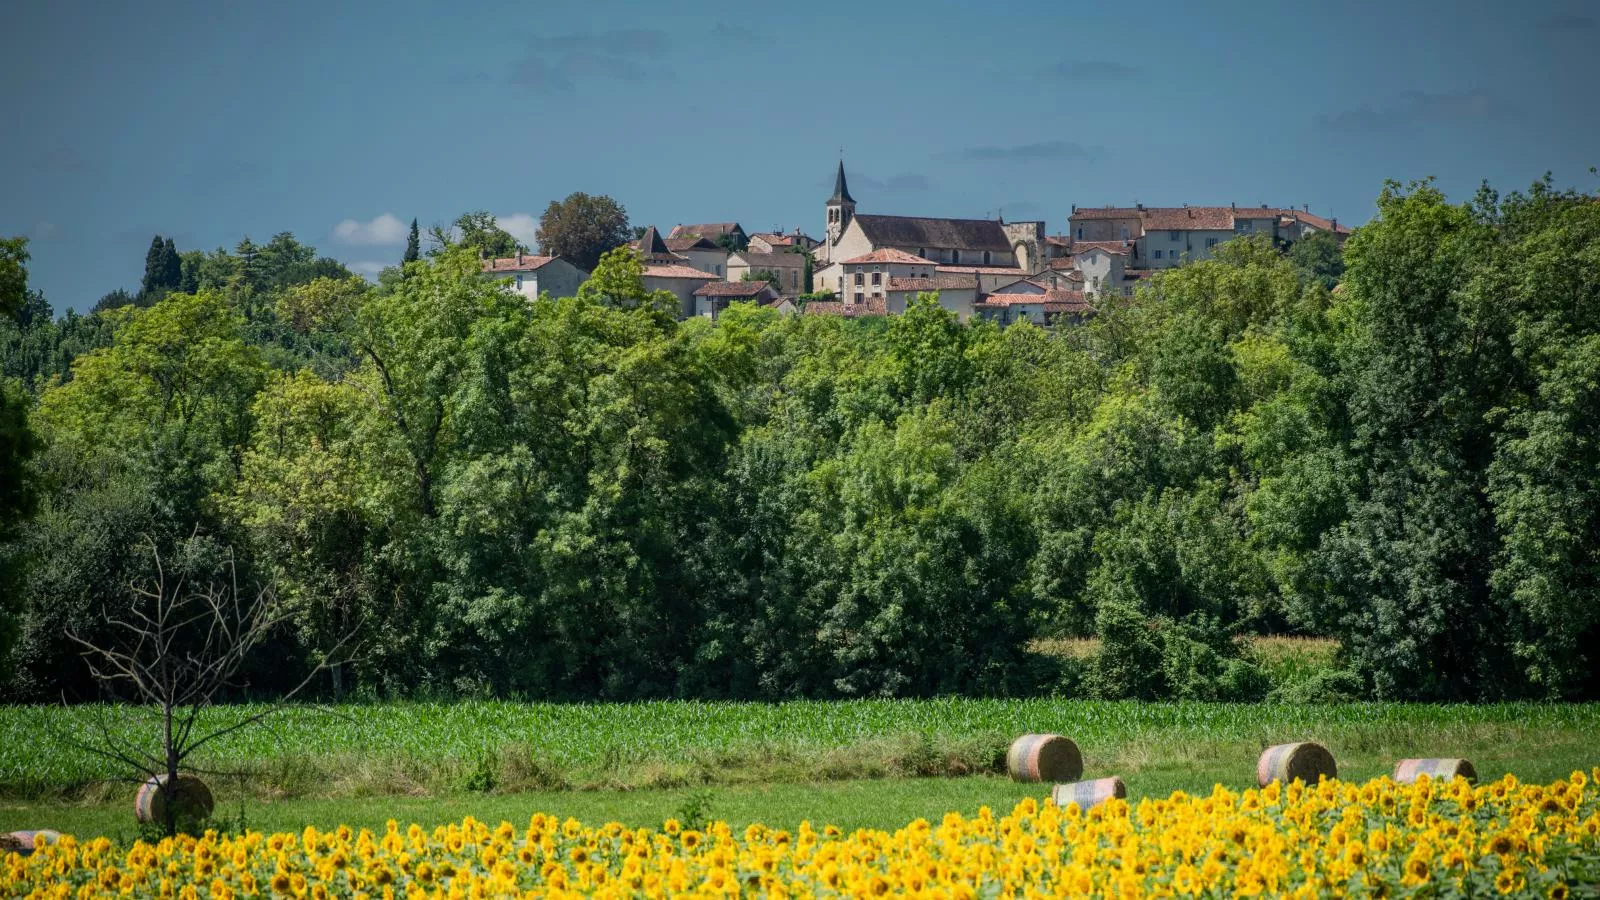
x=582, y=498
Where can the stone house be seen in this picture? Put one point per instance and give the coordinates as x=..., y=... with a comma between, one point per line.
x=700, y=253
x=867, y=276
x=532, y=275
x=957, y=293
x=777, y=242
x=789, y=267
x=712, y=298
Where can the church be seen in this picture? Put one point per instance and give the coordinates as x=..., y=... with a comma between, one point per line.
x=1006, y=248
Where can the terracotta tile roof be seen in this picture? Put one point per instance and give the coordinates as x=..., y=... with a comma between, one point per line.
x=1019, y=286
x=873, y=307
x=1064, y=263
x=983, y=270
x=672, y=270
x=732, y=289
x=936, y=283
x=889, y=255
x=942, y=234
x=1179, y=218
x=774, y=238
x=1060, y=240
x=1120, y=248
x=692, y=242
x=1106, y=212
x=1315, y=221
x=712, y=230
x=773, y=260
x=1135, y=274
x=524, y=263
x=1192, y=218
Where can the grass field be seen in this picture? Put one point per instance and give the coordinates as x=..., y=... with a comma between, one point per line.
x=859, y=763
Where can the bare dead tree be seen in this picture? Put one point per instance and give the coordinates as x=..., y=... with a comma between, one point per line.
x=177, y=650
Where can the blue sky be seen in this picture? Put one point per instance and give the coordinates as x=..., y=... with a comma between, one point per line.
x=210, y=121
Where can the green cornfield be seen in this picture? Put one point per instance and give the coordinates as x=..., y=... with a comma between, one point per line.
x=421, y=748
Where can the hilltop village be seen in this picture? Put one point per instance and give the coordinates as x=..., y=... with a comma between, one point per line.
x=869, y=264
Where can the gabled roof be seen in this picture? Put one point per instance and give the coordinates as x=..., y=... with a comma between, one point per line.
x=936, y=283
x=1120, y=248
x=874, y=307
x=1026, y=286
x=772, y=260
x=519, y=263
x=941, y=234
x=889, y=255
x=733, y=289
x=712, y=230
x=673, y=270
x=692, y=242
x=983, y=270
x=774, y=238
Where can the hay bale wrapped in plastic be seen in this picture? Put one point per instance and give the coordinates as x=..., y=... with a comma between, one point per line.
x=1305, y=760
x=1044, y=757
x=1407, y=771
x=1087, y=794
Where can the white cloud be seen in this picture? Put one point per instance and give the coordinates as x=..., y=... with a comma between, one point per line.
x=520, y=226
x=369, y=269
x=385, y=229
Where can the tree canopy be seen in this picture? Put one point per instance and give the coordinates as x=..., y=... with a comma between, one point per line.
x=582, y=228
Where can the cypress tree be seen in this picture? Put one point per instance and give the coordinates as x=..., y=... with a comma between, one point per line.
x=150, y=286
x=413, y=245
x=171, y=267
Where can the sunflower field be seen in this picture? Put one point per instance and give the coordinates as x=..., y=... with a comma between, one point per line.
x=1374, y=839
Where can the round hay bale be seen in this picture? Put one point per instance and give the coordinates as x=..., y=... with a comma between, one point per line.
x=1407, y=771
x=1286, y=762
x=1044, y=757
x=1088, y=793
x=25, y=842
x=192, y=801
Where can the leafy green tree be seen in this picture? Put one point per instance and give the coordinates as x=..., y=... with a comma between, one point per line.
x=1318, y=257
x=13, y=275
x=582, y=228
x=479, y=232
x=619, y=281
x=766, y=275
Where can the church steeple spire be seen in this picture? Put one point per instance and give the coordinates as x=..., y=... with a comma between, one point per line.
x=841, y=209
x=841, y=191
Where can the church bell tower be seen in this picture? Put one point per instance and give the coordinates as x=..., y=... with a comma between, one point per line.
x=841, y=209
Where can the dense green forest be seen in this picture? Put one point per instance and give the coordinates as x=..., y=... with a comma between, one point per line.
x=583, y=498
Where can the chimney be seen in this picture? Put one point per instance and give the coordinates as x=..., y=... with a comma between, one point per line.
x=1233, y=206
x=1306, y=207
x=1263, y=206
x=1139, y=206
x=1335, y=221
x=1074, y=207
x=519, y=257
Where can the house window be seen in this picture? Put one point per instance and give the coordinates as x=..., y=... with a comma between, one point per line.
x=718, y=267
x=1080, y=232
x=1174, y=235
x=955, y=256
x=860, y=297
x=1124, y=233
x=877, y=278
x=1210, y=242
x=859, y=279
x=519, y=282
x=922, y=252
x=986, y=258
x=1158, y=254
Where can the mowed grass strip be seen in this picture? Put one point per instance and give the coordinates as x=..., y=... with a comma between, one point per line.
x=508, y=748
